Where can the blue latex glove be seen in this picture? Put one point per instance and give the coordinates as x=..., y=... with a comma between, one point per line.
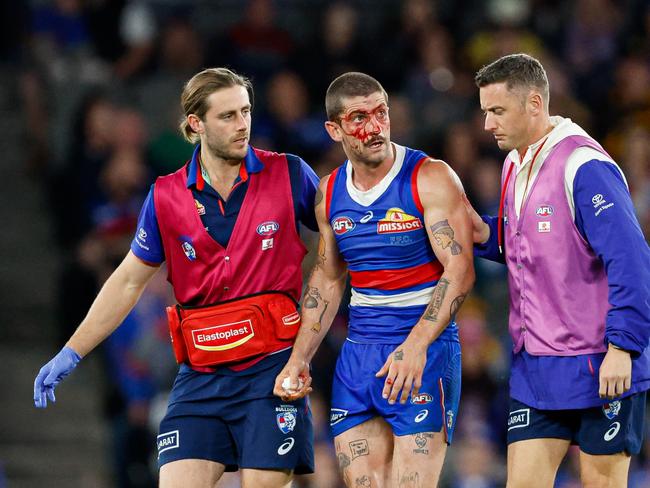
x=52, y=373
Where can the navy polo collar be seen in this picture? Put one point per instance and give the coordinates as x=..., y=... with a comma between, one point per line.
x=194, y=178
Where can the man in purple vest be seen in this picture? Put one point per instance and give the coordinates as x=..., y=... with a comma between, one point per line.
x=579, y=282
x=226, y=224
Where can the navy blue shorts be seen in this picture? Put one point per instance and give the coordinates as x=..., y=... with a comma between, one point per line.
x=616, y=426
x=357, y=393
x=234, y=419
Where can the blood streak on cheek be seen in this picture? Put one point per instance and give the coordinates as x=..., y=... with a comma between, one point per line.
x=360, y=133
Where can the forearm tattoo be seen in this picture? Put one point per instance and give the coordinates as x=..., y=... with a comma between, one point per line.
x=456, y=304
x=312, y=297
x=444, y=236
x=439, y=292
x=317, y=326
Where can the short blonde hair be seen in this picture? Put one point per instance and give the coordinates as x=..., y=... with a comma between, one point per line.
x=194, y=99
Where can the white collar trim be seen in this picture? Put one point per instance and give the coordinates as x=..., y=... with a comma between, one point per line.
x=368, y=197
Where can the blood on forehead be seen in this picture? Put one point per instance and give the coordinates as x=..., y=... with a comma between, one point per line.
x=367, y=103
x=362, y=110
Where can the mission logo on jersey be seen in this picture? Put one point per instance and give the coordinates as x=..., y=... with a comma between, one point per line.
x=397, y=220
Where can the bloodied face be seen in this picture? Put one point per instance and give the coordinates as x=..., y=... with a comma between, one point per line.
x=363, y=127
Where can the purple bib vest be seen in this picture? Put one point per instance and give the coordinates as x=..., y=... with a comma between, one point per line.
x=558, y=286
x=264, y=252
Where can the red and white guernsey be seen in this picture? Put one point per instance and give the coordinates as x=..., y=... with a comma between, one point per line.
x=264, y=252
x=382, y=237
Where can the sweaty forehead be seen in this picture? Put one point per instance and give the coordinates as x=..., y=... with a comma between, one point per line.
x=368, y=102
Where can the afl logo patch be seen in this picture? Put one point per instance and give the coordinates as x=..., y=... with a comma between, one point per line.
x=188, y=249
x=544, y=211
x=421, y=399
x=341, y=225
x=268, y=228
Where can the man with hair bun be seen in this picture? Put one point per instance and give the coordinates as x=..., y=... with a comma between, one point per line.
x=226, y=224
x=579, y=281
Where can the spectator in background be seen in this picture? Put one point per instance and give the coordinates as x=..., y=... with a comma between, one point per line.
x=336, y=49
x=290, y=122
x=435, y=85
x=257, y=44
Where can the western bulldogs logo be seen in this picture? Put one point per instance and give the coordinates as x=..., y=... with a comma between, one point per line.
x=188, y=249
x=343, y=224
x=612, y=409
x=286, y=422
x=268, y=228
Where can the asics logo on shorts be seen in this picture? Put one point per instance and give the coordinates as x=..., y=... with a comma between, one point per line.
x=613, y=430
x=422, y=414
x=286, y=446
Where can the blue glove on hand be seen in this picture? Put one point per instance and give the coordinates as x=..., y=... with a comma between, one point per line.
x=52, y=373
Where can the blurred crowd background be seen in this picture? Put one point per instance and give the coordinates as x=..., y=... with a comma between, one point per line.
x=97, y=86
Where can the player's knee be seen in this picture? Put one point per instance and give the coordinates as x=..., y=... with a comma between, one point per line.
x=603, y=476
x=524, y=478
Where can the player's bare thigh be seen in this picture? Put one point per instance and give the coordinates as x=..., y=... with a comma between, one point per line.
x=418, y=459
x=365, y=454
x=533, y=463
x=266, y=478
x=197, y=473
x=604, y=471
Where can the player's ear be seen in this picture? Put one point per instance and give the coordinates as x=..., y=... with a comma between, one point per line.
x=195, y=123
x=535, y=102
x=334, y=130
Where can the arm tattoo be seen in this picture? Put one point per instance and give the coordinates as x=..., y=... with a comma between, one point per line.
x=439, y=292
x=318, y=198
x=455, y=305
x=399, y=355
x=444, y=236
x=317, y=326
x=312, y=296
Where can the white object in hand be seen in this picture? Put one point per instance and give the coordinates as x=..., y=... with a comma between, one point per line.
x=286, y=384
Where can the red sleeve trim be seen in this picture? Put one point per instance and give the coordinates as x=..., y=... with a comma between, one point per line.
x=330, y=190
x=414, y=184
